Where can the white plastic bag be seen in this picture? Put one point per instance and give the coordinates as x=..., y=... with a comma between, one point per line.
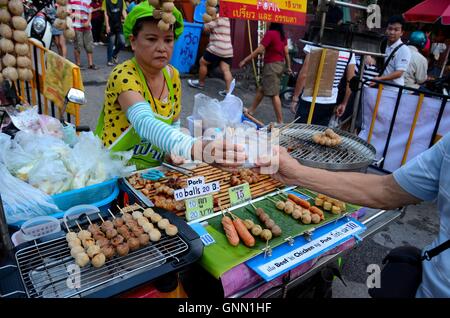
x=50, y=175
x=21, y=200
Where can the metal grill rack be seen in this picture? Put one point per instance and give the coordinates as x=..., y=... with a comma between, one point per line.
x=47, y=268
x=353, y=154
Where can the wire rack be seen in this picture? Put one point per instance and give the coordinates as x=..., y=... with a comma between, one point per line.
x=48, y=270
x=353, y=154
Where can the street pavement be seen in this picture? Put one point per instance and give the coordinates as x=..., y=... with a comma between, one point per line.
x=418, y=227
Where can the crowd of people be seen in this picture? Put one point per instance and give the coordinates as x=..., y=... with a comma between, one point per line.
x=96, y=22
x=142, y=106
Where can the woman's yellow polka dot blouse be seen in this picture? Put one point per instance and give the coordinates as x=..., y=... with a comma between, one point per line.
x=125, y=77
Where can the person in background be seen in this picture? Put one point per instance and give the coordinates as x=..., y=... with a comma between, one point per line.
x=370, y=71
x=218, y=52
x=397, y=55
x=114, y=11
x=81, y=16
x=57, y=34
x=337, y=102
x=142, y=104
x=424, y=178
x=416, y=74
x=276, y=58
x=97, y=21
x=131, y=5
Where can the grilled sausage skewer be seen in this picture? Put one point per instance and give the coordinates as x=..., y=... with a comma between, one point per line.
x=228, y=227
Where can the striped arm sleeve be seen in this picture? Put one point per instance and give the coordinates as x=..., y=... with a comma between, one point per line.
x=177, y=124
x=164, y=136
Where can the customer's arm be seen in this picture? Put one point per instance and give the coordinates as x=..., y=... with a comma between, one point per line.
x=259, y=50
x=300, y=84
x=288, y=58
x=340, y=109
x=358, y=188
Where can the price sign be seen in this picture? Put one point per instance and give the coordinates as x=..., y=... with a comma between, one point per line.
x=199, y=207
x=239, y=194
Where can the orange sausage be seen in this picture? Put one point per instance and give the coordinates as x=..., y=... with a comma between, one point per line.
x=303, y=203
x=317, y=211
x=230, y=231
x=243, y=232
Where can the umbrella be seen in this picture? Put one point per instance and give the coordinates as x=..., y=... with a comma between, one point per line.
x=429, y=11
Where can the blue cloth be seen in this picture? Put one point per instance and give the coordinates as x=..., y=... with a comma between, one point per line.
x=131, y=6
x=168, y=138
x=427, y=177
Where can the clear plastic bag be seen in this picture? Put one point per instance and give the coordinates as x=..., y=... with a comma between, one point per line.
x=21, y=200
x=217, y=114
x=50, y=175
x=209, y=111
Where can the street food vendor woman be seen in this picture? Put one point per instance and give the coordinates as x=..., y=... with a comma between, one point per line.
x=143, y=95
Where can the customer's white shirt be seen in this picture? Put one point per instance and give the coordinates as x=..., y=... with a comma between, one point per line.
x=399, y=62
x=417, y=70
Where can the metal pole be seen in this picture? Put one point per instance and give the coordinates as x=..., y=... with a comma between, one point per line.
x=322, y=26
x=358, y=93
x=350, y=5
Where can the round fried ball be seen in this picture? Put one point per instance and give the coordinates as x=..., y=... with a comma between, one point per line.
x=98, y=260
x=102, y=242
x=163, y=223
x=92, y=250
x=142, y=220
x=315, y=218
x=256, y=230
x=156, y=218
x=83, y=234
x=266, y=235
x=147, y=227
x=306, y=218
x=155, y=235
x=122, y=249
x=74, y=242
x=133, y=243
x=76, y=250
x=280, y=205
x=82, y=259
x=148, y=212
x=249, y=224
x=297, y=214
x=171, y=230
x=143, y=239
x=276, y=231
x=71, y=236
x=110, y=233
x=108, y=251
x=136, y=215
x=88, y=242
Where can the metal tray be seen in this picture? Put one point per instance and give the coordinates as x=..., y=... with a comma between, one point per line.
x=353, y=154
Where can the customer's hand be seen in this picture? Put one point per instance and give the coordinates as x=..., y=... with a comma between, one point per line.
x=108, y=29
x=174, y=159
x=226, y=156
x=281, y=167
x=294, y=106
x=242, y=63
x=339, y=111
x=371, y=84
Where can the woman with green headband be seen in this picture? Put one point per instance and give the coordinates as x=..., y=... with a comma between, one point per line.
x=143, y=98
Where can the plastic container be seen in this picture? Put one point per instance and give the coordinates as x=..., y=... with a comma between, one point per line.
x=186, y=47
x=100, y=195
x=200, y=9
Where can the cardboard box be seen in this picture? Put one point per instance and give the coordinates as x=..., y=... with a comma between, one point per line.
x=328, y=72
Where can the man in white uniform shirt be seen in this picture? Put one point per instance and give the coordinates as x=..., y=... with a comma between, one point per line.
x=397, y=56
